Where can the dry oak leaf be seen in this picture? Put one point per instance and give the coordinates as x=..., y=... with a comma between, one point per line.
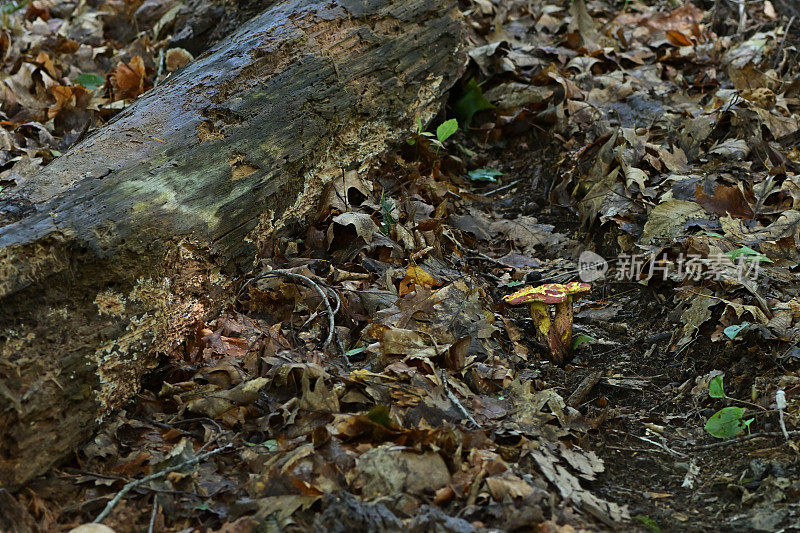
x=724, y=201
x=416, y=276
x=67, y=98
x=129, y=81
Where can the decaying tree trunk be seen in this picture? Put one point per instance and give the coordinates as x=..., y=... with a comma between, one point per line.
x=112, y=253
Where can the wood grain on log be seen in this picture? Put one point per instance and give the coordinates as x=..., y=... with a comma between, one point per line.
x=113, y=253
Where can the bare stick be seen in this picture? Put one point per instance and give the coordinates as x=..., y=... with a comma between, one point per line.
x=314, y=285
x=480, y=255
x=133, y=484
x=455, y=401
x=585, y=387
x=737, y=440
x=779, y=51
x=662, y=446
x=153, y=515
x=503, y=188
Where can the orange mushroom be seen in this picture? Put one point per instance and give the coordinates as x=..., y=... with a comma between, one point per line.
x=556, y=336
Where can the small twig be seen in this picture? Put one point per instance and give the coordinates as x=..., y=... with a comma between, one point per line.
x=476, y=487
x=737, y=440
x=314, y=285
x=585, y=387
x=153, y=515
x=742, y=16
x=455, y=401
x=503, y=188
x=662, y=446
x=481, y=255
x=133, y=484
x=783, y=43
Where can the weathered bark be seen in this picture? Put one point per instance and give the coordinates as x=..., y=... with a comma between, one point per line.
x=121, y=245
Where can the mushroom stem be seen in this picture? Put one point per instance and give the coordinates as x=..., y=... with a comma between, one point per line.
x=563, y=323
x=547, y=334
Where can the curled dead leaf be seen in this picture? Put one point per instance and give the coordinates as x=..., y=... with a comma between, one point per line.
x=130, y=80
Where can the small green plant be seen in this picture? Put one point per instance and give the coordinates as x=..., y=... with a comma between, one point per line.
x=581, y=339
x=470, y=102
x=716, y=388
x=728, y=421
x=355, y=351
x=732, y=331
x=388, y=220
x=446, y=129
x=13, y=7
x=6, y=9
x=443, y=132
x=649, y=523
x=749, y=254
x=90, y=81
x=418, y=133
x=485, y=174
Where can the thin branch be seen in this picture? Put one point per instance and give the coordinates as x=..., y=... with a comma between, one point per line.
x=454, y=400
x=133, y=484
x=153, y=515
x=737, y=440
x=500, y=189
x=314, y=285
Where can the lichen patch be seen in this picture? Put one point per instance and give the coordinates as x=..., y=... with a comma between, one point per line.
x=110, y=303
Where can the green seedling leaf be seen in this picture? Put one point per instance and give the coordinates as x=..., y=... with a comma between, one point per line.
x=380, y=415
x=13, y=7
x=649, y=523
x=470, y=103
x=446, y=129
x=90, y=81
x=514, y=283
x=55, y=153
x=355, y=351
x=484, y=174
x=732, y=331
x=467, y=151
x=388, y=220
x=749, y=253
x=726, y=423
x=577, y=340
x=715, y=388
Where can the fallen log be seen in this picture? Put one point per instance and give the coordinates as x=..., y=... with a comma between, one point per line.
x=112, y=254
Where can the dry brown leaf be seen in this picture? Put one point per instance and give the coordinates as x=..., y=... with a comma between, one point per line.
x=416, y=276
x=130, y=80
x=677, y=38
x=725, y=201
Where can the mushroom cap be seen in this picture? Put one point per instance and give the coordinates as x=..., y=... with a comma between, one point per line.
x=576, y=288
x=549, y=293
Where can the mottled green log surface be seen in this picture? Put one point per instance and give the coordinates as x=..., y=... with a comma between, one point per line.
x=112, y=253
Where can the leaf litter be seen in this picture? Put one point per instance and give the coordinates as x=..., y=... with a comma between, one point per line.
x=643, y=130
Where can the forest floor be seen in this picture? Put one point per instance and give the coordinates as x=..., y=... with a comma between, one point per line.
x=662, y=138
